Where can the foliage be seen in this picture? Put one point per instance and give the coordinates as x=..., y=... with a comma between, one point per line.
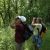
x=29, y=8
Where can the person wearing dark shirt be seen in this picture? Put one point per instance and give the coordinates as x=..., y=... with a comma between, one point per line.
x=19, y=31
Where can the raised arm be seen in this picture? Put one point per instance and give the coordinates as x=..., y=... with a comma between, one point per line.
x=36, y=24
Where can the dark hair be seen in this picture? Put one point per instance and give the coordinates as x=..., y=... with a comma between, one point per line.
x=40, y=20
x=16, y=18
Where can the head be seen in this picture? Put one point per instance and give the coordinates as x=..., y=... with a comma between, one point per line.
x=20, y=19
x=39, y=20
x=34, y=20
x=17, y=21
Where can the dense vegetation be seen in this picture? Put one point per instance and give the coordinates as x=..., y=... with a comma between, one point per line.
x=29, y=8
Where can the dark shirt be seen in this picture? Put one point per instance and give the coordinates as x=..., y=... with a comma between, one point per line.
x=19, y=33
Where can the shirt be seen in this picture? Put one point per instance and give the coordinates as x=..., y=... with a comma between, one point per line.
x=37, y=29
x=19, y=33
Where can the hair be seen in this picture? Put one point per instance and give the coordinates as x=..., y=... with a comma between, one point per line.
x=40, y=20
x=18, y=19
x=34, y=20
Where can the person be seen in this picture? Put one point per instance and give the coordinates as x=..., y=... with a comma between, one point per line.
x=19, y=31
x=23, y=31
x=36, y=38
